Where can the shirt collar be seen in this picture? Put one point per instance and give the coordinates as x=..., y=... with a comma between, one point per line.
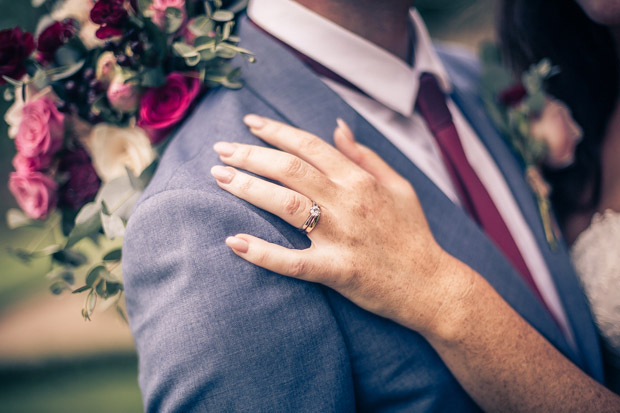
x=378, y=73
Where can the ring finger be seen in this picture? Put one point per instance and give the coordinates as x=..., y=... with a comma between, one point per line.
x=285, y=203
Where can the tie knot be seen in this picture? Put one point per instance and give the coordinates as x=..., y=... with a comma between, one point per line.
x=431, y=103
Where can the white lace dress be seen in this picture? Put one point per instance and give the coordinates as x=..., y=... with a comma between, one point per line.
x=596, y=255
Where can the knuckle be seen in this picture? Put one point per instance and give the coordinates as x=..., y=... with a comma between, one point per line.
x=298, y=268
x=294, y=167
x=293, y=204
x=309, y=144
x=245, y=184
x=245, y=153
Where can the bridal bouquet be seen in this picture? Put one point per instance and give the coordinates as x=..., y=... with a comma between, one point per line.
x=96, y=91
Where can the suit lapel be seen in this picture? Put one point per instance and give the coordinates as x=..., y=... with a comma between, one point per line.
x=558, y=260
x=303, y=100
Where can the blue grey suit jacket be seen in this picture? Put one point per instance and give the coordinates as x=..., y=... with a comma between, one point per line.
x=215, y=333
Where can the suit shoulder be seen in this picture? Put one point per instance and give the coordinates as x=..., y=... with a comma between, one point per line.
x=462, y=64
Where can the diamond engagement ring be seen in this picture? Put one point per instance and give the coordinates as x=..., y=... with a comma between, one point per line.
x=312, y=220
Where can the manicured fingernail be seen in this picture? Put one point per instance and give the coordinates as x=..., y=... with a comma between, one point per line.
x=254, y=121
x=224, y=148
x=346, y=131
x=238, y=244
x=224, y=175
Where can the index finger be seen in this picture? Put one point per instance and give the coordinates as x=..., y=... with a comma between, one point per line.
x=302, y=144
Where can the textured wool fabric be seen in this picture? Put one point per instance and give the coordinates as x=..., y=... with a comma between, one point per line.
x=215, y=333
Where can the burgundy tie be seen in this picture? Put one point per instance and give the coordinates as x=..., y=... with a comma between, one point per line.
x=476, y=200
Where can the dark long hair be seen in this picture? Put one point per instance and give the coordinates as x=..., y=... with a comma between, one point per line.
x=530, y=30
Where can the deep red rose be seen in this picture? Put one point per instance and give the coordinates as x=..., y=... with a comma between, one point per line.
x=111, y=15
x=15, y=47
x=105, y=32
x=54, y=36
x=163, y=107
x=82, y=181
x=513, y=95
x=111, y=12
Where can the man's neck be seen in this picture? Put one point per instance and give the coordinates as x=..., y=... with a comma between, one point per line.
x=385, y=24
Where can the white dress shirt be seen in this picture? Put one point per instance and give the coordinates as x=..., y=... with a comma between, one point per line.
x=390, y=88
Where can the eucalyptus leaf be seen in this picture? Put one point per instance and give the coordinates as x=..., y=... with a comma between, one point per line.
x=224, y=52
x=94, y=274
x=68, y=54
x=119, y=195
x=238, y=6
x=87, y=222
x=8, y=94
x=174, y=19
x=89, y=305
x=101, y=289
x=113, y=226
x=143, y=5
x=70, y=257
x=112, y=256
x=184, y=49
x=192, y=61
x=58, y=287
x=67, y=71
x=202, y=26
x=81, y=289
x=153, y=77
x=223, y=16
x=16, y=83
x=21, y=254
x=15, y=218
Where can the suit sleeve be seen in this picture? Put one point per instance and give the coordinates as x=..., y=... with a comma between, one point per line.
x=215, y=333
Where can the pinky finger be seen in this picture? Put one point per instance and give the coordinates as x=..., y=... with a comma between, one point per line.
x=290, y=262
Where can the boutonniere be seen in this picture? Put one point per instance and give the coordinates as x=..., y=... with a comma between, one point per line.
x=539, y=128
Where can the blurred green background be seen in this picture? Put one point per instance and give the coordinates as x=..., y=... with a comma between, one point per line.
x=50, y=359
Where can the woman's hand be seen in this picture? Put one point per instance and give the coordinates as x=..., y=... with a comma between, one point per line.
x=372, y=242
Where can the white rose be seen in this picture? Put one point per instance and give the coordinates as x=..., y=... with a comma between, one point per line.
x=113, y=149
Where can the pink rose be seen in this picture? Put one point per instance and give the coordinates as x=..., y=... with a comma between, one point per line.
x=556, y=127
x=158, y=8
x=24, y=165
x=35, y=193
x=163, y=107
x=122, y=96
x=41, y=130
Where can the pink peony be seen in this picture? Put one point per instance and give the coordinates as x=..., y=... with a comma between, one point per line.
x=35, y=193
x=41, y=129
x=122, y=96
x=158, y=8
x=24, y=165
x=163, y=107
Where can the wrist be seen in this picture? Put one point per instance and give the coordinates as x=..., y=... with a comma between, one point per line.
x=446, y=300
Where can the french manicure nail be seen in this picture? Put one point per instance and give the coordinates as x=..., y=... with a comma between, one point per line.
x=224, y=175
x=346, y=131
x=238, y=244
x=224, y=148
x=254, y=121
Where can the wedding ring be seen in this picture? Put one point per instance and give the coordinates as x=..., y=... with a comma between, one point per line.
x=312, y=220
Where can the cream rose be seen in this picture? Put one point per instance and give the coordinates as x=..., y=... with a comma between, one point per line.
x=113, y=149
